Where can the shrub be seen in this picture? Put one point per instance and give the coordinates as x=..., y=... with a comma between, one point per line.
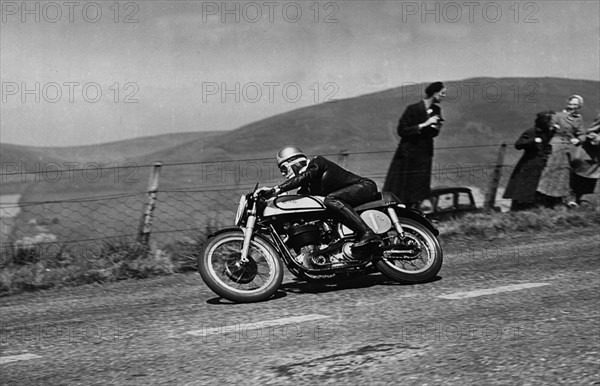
x=185, y=253
x=113, y=260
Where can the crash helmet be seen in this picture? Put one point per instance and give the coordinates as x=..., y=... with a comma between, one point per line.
x=291, y=161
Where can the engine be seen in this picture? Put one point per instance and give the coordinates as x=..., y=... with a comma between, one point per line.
x=302, y=235
x=316, y=245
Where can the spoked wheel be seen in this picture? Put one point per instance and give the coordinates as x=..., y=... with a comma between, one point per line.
x=415, y=258
x=223, y=271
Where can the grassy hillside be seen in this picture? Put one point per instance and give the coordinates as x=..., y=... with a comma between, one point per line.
x=46, y=161
x=105, y=154
x=480, y=114
x=497, y=110
x=479, y=111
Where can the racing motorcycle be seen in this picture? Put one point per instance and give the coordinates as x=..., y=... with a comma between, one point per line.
x=245, y=263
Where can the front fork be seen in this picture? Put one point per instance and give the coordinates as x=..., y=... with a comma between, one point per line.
x=396, y=221
x=248, y=232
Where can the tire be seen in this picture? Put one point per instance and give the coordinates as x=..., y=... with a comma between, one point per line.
x=407, y=271
x=256, y=281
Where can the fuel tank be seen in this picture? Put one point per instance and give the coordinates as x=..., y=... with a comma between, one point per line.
x=294, y=203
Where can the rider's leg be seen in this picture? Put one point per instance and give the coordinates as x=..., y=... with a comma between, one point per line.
x=338, y=203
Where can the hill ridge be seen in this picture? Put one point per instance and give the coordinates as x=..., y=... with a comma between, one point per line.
x=362, y=122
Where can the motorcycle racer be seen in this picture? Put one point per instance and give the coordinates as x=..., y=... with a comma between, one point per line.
x=342, y=189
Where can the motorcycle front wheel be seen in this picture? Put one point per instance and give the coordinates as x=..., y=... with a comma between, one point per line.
x=415, y=258
x=221, y=269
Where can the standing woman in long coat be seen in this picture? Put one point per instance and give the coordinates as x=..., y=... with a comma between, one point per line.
x=409, y=175
x=535, y=143
x=555, y=179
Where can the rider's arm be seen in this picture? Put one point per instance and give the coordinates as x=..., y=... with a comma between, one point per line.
x=293, y=183
x=302, y=179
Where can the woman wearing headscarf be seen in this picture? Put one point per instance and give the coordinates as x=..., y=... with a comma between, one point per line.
x=555, y=179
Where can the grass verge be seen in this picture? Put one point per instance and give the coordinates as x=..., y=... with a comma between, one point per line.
x=54, y=265
x=492, y=224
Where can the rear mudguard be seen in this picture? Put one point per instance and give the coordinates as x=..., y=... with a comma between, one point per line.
x=416, y=216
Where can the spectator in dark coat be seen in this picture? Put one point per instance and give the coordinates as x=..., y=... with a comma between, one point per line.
x=409, y=175
x=523, y=182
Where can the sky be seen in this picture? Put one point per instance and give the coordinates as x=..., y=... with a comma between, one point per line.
x=83, y=73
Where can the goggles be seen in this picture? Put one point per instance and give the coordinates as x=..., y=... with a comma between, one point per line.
x=287, y=167
x=284, y=169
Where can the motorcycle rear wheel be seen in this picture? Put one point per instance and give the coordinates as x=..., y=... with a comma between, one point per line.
x=417, y=268
x=220, y=267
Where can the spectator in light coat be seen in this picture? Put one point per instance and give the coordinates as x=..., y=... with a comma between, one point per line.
x=555, y=179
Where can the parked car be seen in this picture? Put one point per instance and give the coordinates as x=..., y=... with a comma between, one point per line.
x=446, y=203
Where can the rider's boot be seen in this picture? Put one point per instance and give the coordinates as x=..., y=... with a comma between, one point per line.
x=369, y=238
x=352, y=220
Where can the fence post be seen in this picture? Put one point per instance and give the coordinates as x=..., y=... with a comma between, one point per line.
x=146, y=220
x=343, y=158
x=490, y=196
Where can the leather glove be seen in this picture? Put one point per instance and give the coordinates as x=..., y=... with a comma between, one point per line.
x=267, y=192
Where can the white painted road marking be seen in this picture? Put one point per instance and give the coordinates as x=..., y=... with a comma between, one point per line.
x=211, y=330
x=491, y=291
x=14, y=358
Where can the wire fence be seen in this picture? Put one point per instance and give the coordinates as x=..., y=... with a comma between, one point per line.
x=178, y=202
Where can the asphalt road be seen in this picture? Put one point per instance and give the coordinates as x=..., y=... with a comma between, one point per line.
x=515, y=310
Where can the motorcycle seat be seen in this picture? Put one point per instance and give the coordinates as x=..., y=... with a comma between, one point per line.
x=383, y=199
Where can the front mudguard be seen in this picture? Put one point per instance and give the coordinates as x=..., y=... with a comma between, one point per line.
x=224, y=230
x=417, y=216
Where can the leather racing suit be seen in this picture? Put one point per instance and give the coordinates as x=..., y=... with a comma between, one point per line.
x=342, y=189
